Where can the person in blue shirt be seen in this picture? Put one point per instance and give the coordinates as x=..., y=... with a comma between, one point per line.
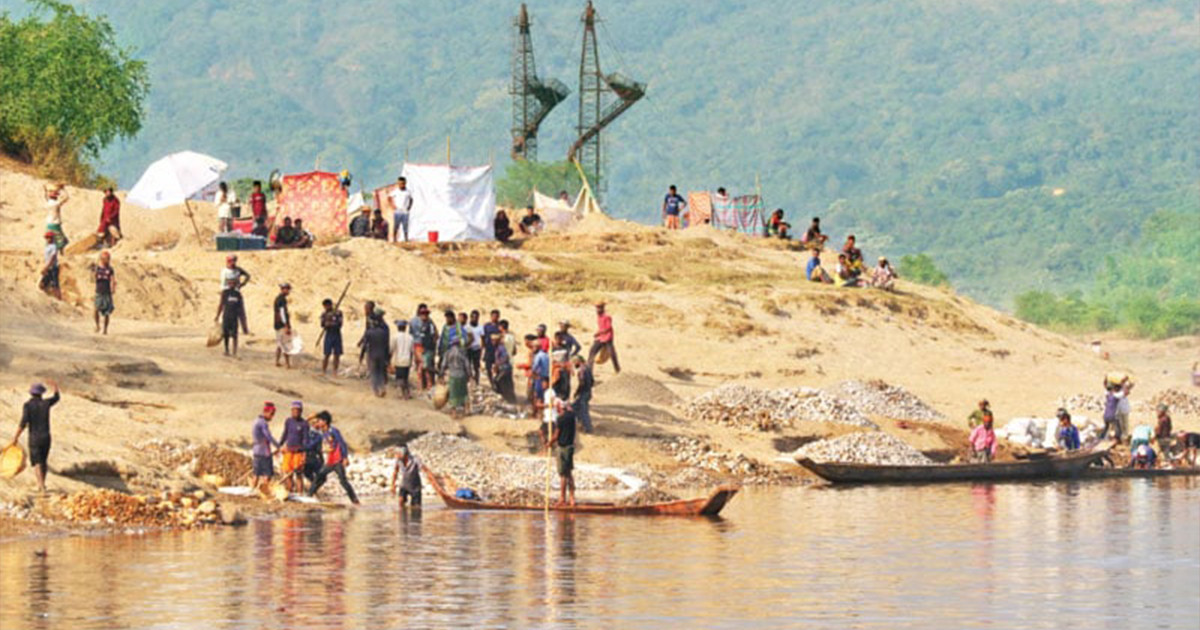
x=540, y=373
x=673, y=206
x=570, y=343
x=1068, y=435
x=337, y=456
x=490, y=331
x=814, y=271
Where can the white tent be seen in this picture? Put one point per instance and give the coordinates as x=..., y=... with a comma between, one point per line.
x=457, y=202
x=558, y=215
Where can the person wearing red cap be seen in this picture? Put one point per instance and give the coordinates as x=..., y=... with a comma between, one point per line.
x=36, y=417
x=264, y=446
x=49, y=281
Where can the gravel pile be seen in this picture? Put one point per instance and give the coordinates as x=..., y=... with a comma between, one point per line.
x=1091, y=404
x=471, y=466
x=216, y=464
x=636, y=387
x=648, y=496
x=1180, y=403
x=879, y=398
x=717, y=465
x=771, y=409
x=864, y=448
x=109, y=507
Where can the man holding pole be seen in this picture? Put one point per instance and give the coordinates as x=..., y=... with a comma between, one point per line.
x=562, y=438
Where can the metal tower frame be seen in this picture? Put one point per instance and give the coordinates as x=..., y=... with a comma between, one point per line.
x=594, y=115
x=532, y=99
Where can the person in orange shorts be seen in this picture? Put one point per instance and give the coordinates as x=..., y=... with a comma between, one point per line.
x=294, y=440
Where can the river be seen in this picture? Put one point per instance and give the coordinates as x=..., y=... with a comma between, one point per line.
x=1111, y=554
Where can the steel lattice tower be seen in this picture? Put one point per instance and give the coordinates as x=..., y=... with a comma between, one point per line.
x=591, y=98
x=532, y=99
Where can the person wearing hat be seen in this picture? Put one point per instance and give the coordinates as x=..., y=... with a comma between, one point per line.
x=49, y=280
x=283, y=325
x=35, y=416
x=377, y=345
x=983, y=440
x=233, y=307
x=105, y=284
x=603, y=338
x=883, y=276
x=400, y=351
x=976, y=417
x=331, y=324
x=1067, y=435
x=569, y=341
x=294, y=441
x=425, y=336
x=455, y=371
x=408, y=470
x=233, y=273
x=1163, y=431
x=337, y=456
x=264, y=446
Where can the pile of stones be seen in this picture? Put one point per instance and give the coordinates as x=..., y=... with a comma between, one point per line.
x=864, y=448
x=745, y=407
x=879, y=398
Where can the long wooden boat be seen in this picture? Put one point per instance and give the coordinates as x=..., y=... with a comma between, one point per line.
x=1122, y=472
x=708, y=506
x=1046, y=468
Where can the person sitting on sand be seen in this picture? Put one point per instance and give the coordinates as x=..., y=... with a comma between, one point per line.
x=35, y=416
x=976, y=417
x=531, y=224
x=264, y=447
x=853, y=254
x=337, y=457
x=844, y=272
x=814, y=272
x=562, y=437
x=983, y=440
x=777, y=227
x=360, y=226
x=884, y=275
x=379, y=227
x=286, y=236
x=304, y=238
x=109, y=231
x=503, y=228
x=408, y=470
x=1067, y=435
x=813, y=237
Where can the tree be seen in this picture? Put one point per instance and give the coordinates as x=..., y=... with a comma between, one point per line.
x=522, y=177
x=920, y=268
x=68, y=86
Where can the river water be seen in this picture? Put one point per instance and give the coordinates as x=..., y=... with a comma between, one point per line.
x=1110, y=554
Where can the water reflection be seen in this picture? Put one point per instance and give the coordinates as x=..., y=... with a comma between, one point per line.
x=1022, y=555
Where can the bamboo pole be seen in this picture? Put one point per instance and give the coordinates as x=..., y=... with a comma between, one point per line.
x=192, y=215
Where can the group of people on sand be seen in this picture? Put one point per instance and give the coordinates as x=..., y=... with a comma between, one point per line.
x=310, y=449
x=1179, y=448
x=850, y=270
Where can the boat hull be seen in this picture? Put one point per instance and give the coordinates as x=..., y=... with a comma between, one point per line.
x=1048, y=468
x=708, y=506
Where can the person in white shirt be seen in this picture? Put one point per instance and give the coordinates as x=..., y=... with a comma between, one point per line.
x=475, y=352
x=56, y=196
x=225, y=201
x=401, y=350
x=884, y=275
x=401, y=203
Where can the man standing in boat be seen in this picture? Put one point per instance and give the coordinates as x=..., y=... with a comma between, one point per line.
x=562, y=436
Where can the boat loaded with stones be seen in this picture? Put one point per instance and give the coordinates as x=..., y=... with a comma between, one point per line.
x=1070, y=466
x=708, y=506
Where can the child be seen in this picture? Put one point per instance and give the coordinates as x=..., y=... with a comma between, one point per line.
x=983, y=441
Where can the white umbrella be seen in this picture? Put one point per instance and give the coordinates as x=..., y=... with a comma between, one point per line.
x=174, y=180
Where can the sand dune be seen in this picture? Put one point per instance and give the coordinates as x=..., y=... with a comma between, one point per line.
x=693, y=310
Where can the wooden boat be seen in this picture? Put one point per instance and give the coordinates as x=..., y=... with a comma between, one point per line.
x=708, y=506
x=1120, y=473
x=1041, y=468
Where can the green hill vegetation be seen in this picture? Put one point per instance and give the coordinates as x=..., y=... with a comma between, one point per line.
x=1024, y=145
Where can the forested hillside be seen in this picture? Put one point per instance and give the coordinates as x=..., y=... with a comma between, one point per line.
x=1020, y=143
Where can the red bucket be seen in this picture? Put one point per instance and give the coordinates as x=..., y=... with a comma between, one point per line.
x=433, y=236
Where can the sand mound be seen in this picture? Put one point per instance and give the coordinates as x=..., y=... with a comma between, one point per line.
x=637, y=388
